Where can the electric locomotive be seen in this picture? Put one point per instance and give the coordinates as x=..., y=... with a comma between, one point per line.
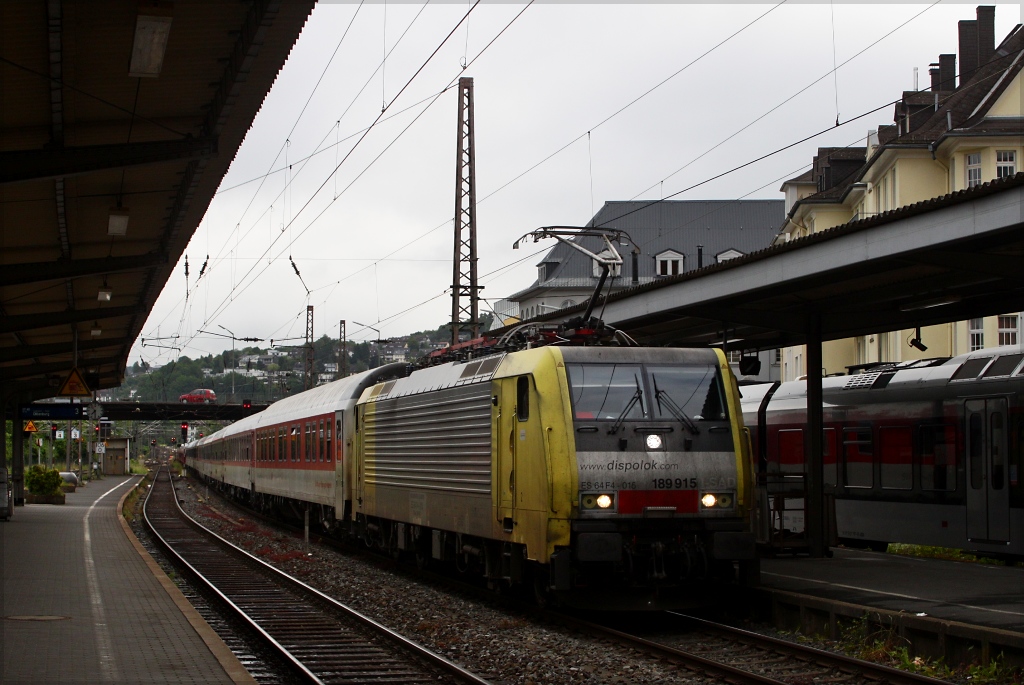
x=571, y=468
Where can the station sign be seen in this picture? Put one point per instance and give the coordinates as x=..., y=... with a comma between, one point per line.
x=52, y=411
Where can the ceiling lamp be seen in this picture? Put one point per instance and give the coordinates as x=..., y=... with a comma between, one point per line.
x=118, y=222
x=96, y=330
x=105, y=293
x=151, y=33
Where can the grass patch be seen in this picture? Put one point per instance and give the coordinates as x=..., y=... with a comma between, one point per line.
x=137, y=468
x=132, y=500
x=884, y=646
x=946, y=553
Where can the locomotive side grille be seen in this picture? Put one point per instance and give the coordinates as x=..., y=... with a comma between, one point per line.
x=432, y=441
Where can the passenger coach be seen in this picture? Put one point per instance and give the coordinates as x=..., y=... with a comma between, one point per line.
x=924, y=452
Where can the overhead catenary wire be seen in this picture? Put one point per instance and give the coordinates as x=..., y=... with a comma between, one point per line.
x=717, y=176
x=363, y=137
x=431, y=99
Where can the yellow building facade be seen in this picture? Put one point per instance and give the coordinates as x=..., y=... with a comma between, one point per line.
x=943, y=140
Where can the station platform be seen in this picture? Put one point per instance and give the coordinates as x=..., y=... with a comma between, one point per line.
x=84, y=603
x=978, y=594
x=959, y=612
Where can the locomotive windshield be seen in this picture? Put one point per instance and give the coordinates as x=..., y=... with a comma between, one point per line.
x=607, y=391
x=604, y=391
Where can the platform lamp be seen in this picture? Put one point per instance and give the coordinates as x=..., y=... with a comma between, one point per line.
x=915, y=342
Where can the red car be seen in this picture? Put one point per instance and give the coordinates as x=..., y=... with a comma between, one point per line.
x=199, y=396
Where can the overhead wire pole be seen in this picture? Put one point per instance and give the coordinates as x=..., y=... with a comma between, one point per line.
x=342, y=351
x=308, y=375
x=465, y=288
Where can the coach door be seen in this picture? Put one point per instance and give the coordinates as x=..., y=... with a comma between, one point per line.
x=988, y=494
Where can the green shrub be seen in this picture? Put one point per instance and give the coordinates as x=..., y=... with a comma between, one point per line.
x=40, y=481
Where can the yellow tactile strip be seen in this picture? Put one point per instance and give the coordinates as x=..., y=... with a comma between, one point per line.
x=228, y=661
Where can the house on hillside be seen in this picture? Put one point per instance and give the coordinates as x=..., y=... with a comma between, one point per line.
x=957, y=134
x=672, y=237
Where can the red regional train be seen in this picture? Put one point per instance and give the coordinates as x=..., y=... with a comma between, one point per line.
x=924, y=452
x=575, y=469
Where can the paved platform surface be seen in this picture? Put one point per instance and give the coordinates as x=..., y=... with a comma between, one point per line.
x=978, y=594
x=80, y=605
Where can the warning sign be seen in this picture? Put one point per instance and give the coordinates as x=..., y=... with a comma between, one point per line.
x=30, y=427
x=74, y=386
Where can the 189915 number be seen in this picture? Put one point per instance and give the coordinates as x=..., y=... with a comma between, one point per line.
x=675, y=483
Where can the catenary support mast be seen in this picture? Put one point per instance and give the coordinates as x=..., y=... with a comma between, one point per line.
x=465, y=291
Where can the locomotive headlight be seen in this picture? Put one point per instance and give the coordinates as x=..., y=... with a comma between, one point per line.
x=709, y=500
x=654, y=441
x=725, y=500
x=589, y=501
x=604, y=501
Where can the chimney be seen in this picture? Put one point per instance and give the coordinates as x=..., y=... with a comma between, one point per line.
x=968, y=31
x=933, y=71
x=986, y=33
x=947, y=72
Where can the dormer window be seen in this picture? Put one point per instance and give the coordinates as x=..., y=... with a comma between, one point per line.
x=671, y=263
x=546, y=270
x=727, y=255
x=615, y=270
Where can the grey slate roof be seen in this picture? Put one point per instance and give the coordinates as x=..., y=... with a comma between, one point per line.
x=657, y=227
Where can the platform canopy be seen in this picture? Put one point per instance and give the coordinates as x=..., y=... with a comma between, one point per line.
x=118, y=121
x=948, y=259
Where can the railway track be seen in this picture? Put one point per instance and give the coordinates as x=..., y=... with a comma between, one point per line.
x=743, y=657
x=324, y=641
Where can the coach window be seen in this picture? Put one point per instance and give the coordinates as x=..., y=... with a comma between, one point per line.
x=938, y=458
x=828, y=455
x=523, y=398
x=895, y=445
x=791, y=451
x=307, y=442
x=323, y=440
x=330, y=443
x=293, y=447
x=858, y=466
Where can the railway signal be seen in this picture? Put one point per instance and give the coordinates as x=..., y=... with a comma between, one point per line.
x=184, y=432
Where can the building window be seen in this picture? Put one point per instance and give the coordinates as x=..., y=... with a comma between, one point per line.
x=735, y=356
x=973, y=169
x=1008, y=330
x=976, y=334
x=614, y=270
x=1006, y=163
x=567, y=303
x=671, y=263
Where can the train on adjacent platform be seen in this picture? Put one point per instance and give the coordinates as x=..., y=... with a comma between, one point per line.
x=596, y=471
x=926, y=452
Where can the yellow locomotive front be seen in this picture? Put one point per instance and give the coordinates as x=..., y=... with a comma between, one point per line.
x=573, y=468
x=662, y=473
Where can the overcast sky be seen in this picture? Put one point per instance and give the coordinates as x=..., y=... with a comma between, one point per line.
x=575, y=105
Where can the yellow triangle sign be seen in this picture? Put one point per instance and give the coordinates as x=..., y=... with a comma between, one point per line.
x=74, y=386
x=30, y=427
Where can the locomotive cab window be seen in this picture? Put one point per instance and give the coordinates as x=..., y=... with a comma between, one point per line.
x=605, y=391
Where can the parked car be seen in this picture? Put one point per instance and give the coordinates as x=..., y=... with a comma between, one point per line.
x=199, y=396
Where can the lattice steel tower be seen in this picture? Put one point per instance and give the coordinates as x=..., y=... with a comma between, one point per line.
x=309, y=376
x=465, y=291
